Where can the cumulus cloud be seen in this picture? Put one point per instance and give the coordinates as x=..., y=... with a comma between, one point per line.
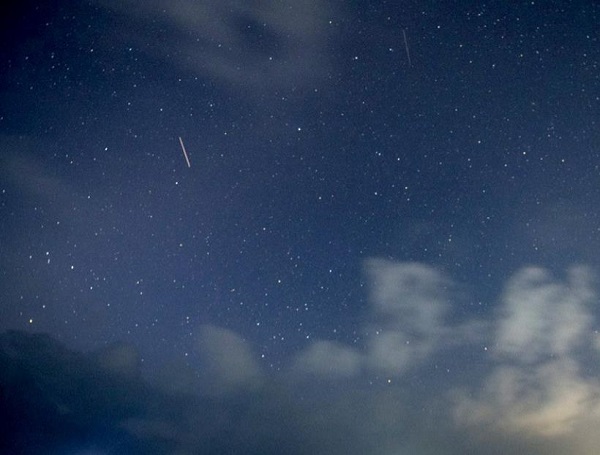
x=56, y=400
x=536, y=385
x=531, y=384
x=532, y=392
x=409, y=313
x=328, y=359
x=541, y=317
x=407, y=322
x=228, y=362
x=547, y=400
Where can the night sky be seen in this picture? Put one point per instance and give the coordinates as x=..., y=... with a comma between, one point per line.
x=386, y=241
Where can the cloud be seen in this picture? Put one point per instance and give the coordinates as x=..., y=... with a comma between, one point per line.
x=532, y=392
x=409, y=314
x=531, y=386
x=53, y=397
x=121, y=359
x=228, y=362
x=536, y=386
x=327, y=359
x=256, y=46
x=543, y=318
x=27, y=173
x=407, y=323
x=59, y=401
x=548, y=400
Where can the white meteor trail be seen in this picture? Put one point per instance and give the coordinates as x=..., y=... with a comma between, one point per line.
x=406, y=47
x=187, y=159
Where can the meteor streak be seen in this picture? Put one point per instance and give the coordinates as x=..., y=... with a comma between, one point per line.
x=406, y=47
x=187, y=159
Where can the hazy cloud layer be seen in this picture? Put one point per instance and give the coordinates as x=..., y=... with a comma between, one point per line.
x=531, y=395
x=248, y=45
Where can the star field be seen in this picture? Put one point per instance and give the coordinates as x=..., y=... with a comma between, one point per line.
x=383, y=203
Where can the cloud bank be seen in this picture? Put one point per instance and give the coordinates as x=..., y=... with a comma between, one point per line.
x=534, y=390
x=538, y=385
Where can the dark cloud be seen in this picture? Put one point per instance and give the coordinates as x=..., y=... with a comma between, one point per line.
x=55, y=399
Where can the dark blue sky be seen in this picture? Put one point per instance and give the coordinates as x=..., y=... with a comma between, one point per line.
x=400, y=198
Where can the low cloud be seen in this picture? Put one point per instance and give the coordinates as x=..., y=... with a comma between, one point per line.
x=542, y=318
x=327, y=359
x=408, y=322
x=532, y=384
x=119, y=359
x=548, y=400
x=228, y=362
x=537, y=386
x=409, y=314
x=531, y=392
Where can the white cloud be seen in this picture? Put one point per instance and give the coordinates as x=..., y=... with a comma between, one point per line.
x=407, y=323
x=530, y=393
x=541, y=317
x=531, y=390
x=266, y=45
x=548, y=400
x=408, y=290
x=409, y=314
x=228, y=362
x=329, y=360
x=536, y=386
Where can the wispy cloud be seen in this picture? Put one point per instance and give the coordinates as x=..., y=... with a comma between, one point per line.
x=22, y=169
x=251, y=46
